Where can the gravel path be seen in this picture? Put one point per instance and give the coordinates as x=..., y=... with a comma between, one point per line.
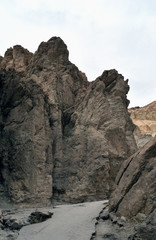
x=69, y=222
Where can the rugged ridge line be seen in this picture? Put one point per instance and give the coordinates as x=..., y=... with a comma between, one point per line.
x=62, y=137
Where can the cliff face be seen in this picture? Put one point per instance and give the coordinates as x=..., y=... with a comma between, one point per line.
x=136, y=181
x=145, y=120
x=134, y=198
x=62, y=137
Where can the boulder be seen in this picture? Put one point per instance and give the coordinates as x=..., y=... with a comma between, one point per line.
x=38, y=217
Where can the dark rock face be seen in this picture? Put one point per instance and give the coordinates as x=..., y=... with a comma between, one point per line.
x=62, y=137
x=25, y=141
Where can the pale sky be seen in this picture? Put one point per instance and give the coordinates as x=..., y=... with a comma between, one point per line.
x=100, y=35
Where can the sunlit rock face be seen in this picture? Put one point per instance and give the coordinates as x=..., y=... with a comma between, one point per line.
x=62, y=137
x=145, y=120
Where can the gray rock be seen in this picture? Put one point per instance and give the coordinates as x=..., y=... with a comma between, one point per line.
x=12, y=220
x=12, y=224
x=104, y=215
x=37, y=217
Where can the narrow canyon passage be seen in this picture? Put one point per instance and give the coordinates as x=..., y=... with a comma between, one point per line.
x=68, y=222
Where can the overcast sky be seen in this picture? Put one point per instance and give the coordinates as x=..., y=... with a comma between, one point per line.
x=100, y=35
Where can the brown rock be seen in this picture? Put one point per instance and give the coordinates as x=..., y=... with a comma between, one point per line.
x=135, y=191
x=1, y=58
x=62, y=137
x=145, y=120
x=97, y=137
x=135, y=195
x=16, y=58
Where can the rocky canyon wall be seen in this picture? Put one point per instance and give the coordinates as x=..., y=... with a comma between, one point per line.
x=144, y=119
x=133, y=203
x=62, y=137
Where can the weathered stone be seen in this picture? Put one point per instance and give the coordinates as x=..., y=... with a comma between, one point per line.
x=38, y=217
x=140, y=217
x=104, y=215
x=135, y=192
x=16, y=58
x=133, y=202
x=12, y=224
x=145, y=120
x=147, y=229
x=97, y=138
x=113, y=217
x=13, y=220
x=62, y=137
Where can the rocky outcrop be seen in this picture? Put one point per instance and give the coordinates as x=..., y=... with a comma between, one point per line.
x=134, y=198
x=99, y=131
x=136, y=180
x=112, y=227
x=16, y=58
x=12, y=220
x=62, y=137
x=145, y=120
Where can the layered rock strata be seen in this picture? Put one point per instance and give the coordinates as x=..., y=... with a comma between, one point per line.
x=62, y=137
x=144, y=119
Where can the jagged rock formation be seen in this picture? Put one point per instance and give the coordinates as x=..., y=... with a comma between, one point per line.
x=135, y=195
x=145, y=120
x=16, y=58
x=62, y=137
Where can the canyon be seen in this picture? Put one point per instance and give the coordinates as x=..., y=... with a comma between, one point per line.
x=66, y=140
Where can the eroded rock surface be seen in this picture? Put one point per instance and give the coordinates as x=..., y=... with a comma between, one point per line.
x=62, y=137
x=134, y=198
x=136, y=181
x=145, y=120
x=12, y=220
x=119, y=228
x=17, y=58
